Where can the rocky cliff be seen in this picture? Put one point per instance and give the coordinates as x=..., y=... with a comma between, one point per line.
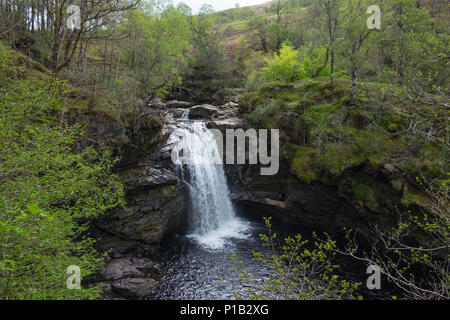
x=156, y=203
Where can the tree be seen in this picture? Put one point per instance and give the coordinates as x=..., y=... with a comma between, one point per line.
x=329, y=10
x=49, y=17
x=94, y=15
x=276, y=28
x=158, y=39
x=206, y=41
x=259, y=25
x=355, y=33
x=278, y=7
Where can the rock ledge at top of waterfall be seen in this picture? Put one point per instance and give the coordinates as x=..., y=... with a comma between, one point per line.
x=210, y=112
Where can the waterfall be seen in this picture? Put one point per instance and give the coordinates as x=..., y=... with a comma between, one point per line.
x=212, y=215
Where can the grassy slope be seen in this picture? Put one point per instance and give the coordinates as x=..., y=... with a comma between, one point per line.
x=232, y=32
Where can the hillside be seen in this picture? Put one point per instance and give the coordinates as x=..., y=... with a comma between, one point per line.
x=89, y=124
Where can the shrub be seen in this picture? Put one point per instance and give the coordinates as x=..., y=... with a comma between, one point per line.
x=284, y=67
x=296, y=270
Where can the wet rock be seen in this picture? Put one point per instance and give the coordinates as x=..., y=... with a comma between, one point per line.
x=175, y=104
x=134, y=288
x=157, y=104
x=148, y=267
x=205, y=111
x=119, y=269
x=230, y=123
x=147, y=177
x=177, y=113
x=130, y=267
x=227, y=95
x=120, y=248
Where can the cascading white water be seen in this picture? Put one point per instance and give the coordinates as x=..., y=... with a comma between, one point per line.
x=212, y=215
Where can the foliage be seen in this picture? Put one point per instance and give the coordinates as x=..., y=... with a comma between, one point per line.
x=419, y=270
x=159, y=37
x=46, y=189
x=284, y=67
x=302, y=166
x=296, y=271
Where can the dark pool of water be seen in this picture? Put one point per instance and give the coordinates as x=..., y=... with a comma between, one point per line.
x=194, y=272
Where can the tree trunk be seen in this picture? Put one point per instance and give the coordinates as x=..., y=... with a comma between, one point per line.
x=332, y=65
x=325, y=63
x=354, y=84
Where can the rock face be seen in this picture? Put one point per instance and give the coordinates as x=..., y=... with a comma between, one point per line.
x=317, y=206
x=147, y=177
x=156, y=206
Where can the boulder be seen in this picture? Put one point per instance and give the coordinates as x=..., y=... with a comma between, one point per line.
x=205, y=111
x=175, y=104
x=130, y=267
x=230, y=123
x=148, y=267
x=119, y=269
x=157, y=104
x=227, y=95
x=134, y=288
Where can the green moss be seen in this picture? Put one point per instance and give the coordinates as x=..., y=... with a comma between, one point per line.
x=411, y=196
x=301, y=165
x=397, y=184
x=394, y=122
x=317, y=85
x=320, y=113
x=339, y=157
x=362, y=191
